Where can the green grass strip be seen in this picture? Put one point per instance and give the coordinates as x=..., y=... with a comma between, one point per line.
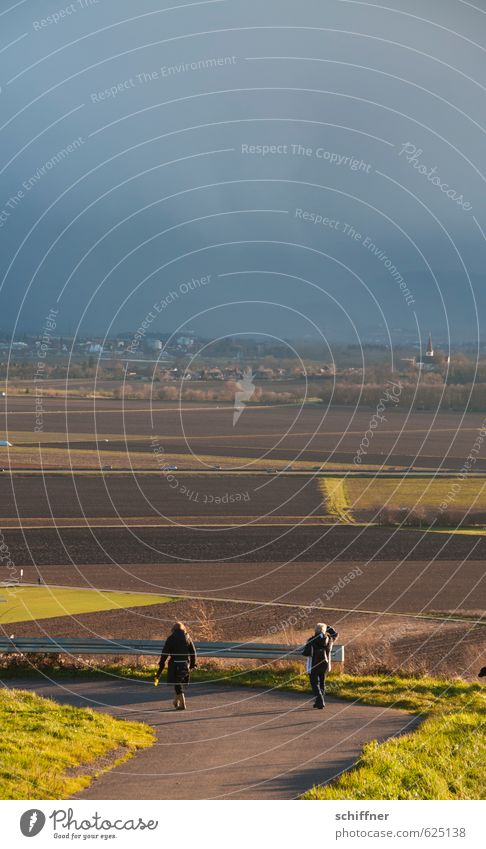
x=31, y=603
x=42, y=742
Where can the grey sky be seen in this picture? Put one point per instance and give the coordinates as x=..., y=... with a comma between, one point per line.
x=160, y=188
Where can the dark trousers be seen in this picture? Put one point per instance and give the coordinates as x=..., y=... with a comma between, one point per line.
x=317, y=678
x=178, y=674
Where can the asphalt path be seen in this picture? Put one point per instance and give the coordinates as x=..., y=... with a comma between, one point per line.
x=231, y=743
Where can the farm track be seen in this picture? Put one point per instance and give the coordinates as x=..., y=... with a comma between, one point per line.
x=336, y=500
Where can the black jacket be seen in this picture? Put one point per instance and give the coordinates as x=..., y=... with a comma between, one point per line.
x=180, y=650
x=320, y=646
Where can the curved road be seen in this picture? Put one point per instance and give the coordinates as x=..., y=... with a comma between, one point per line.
x=232, y=742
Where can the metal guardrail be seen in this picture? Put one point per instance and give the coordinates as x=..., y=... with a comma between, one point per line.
x=75, y=646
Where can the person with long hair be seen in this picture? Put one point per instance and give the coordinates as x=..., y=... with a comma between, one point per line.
x=180, y=651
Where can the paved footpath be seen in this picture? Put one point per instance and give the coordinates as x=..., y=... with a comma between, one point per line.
x=231, y=742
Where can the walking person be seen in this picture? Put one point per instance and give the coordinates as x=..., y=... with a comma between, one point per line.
x=179, y=649
x=318, y=650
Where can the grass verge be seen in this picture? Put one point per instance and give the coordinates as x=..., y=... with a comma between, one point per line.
x=45, y=747
x=443, y=759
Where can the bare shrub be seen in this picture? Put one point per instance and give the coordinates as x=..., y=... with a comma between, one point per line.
x=392, y=515
x=167, y=393
x=202, y=621
x=365, y=660
x=269, y=397
x=383, y=660
x=422, y=517
x=454, y=517
x=47, y=662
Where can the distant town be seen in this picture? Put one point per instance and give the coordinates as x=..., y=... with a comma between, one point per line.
x=222, y=360
x=118, y=367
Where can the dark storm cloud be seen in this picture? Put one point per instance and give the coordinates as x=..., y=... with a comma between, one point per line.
x=321, y=162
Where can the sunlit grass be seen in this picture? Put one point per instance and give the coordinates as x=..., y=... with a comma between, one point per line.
x=42, y=742
x=336, y=502
x=376, y=493
x=32, y=603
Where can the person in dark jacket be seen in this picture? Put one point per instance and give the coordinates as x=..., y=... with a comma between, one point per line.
x=179, y=649
x=318, y=650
